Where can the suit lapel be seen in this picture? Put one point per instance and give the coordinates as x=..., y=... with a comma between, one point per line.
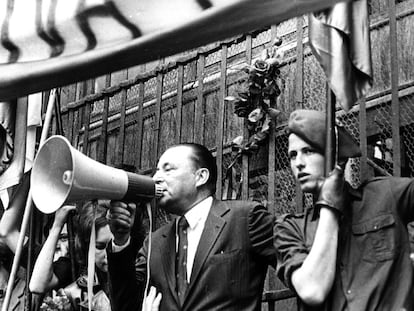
x=212, y=229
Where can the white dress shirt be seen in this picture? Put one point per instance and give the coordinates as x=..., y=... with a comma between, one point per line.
x=196, y=218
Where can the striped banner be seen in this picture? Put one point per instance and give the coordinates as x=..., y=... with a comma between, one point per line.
x=49, y=43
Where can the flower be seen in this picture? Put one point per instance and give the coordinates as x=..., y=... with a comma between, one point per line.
x=255, y=115
x=261, y=66
x=60, y=302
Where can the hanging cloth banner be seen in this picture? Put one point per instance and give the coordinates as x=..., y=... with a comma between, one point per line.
x=44, y=44
x=339, y=38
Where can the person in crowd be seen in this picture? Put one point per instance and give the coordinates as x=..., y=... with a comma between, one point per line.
x=350, y=250
x=213, y=256
x=10, y=223
x=6, y=260
x=44, y=278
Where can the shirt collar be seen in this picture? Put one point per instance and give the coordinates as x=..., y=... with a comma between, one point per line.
x=356, y=193
x=199, y=212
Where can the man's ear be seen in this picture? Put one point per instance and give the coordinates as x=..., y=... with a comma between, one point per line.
x=202, y=175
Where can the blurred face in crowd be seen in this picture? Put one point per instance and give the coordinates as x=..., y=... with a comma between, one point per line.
x=306, y=163
x=177, y=176
x=62, y=247
x=4, y=277
x=103, y=237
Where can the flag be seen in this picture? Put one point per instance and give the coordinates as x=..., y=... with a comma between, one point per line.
x=34, y=121
x=18, y=122
x=44, y=44
x=339, y=38
x=15, y=145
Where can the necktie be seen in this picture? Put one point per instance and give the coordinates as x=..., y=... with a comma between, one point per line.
x=181, y=260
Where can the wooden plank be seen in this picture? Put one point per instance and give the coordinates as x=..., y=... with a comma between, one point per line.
x=299, y=92
x=220, y=119
x=86, y=124
x=157, y=121
x=271, y=173
x=140, y=123
x=71, y=124
x=396, y=143
x=179, y=116
x=103, y=138
x=121, y=137
x=198, y=132
x=272, y=151
x=363, y=140
x=245, y=157
x=299, y=64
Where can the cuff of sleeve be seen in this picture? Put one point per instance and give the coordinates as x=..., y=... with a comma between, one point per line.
x=118, y=248
x=295, y=264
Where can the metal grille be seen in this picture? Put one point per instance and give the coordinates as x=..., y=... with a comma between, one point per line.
x=170, y=81
x=261, y=38
x=132, y=95
x=351, y=124
x=150, y=89
x=407, y=133
x=285, y=183
x=383, y=152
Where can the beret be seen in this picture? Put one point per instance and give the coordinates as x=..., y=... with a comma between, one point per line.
x=309, y=125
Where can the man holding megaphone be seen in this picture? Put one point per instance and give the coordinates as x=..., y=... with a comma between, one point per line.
x=213, y=256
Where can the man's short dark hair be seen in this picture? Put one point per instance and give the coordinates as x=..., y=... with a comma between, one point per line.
x=203, y=158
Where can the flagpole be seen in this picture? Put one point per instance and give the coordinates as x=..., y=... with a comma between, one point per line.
x=27, y=210
x=330, y=148
x=69, y=219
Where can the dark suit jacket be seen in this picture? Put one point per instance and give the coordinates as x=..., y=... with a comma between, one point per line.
x=229, y=268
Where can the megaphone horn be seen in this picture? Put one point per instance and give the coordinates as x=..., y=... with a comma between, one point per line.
x=61, y=174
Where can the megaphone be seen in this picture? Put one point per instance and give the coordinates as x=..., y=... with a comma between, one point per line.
x=61, y=174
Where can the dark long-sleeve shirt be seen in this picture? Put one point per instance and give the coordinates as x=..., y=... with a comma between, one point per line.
x=373, y=270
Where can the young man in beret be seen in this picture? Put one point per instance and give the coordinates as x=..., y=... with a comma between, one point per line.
x=350, y=251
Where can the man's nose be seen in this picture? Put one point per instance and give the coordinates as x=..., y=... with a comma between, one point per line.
x=157, y=177
x=299, y=161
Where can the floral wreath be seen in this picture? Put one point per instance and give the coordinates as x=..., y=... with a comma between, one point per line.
x=256, y=94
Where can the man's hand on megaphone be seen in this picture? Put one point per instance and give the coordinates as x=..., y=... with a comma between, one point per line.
x=121, y=220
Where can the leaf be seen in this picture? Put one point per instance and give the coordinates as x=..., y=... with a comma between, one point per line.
x=230, y=98
x=244, y=96
x=273, y=113
x=237, y=141
x=255, y=115
x=264, y=54
x=243, y=67
x=261, y=136
x=266, y=124
x=278, y=41
x=274, y=61
x=255, y=89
